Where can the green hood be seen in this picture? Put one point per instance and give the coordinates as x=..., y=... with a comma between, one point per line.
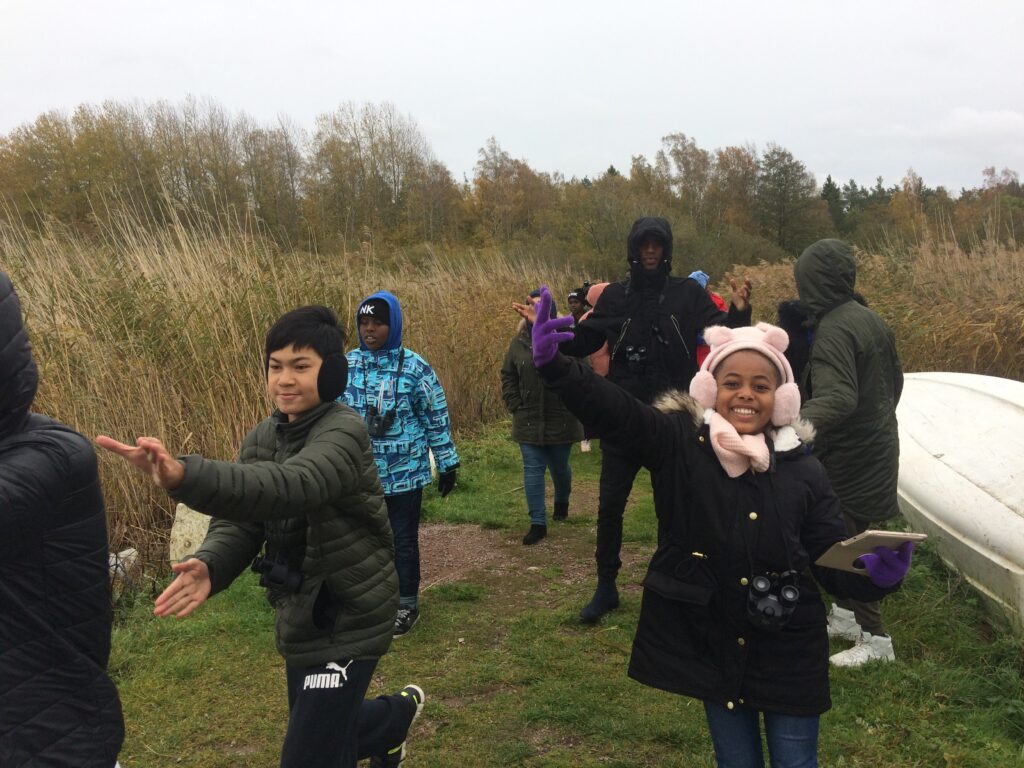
x=825, y=275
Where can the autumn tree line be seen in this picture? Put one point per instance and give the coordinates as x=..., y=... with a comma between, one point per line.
x=365, y=180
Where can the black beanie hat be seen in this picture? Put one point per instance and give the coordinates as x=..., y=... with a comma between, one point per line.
x=378, y=309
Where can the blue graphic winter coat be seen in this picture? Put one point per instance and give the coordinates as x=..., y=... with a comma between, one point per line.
x=416, y=399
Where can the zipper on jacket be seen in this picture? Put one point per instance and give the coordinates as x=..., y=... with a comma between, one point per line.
x=622, y=335
x=679, y=332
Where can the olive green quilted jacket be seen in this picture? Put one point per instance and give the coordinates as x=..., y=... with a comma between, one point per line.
x=855, y=379
x=308, y=492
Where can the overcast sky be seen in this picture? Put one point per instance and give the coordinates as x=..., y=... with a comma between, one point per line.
x=854, y=90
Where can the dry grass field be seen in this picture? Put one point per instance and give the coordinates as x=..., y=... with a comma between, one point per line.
x=160, y=332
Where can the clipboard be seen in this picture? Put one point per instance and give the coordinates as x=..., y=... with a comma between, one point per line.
x=843, y=555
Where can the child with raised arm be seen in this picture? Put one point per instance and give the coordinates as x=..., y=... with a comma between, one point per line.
x=731, y=614
x=305, y=492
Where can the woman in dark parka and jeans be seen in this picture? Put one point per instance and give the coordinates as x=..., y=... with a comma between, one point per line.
x=544, y=429
x=738, y=497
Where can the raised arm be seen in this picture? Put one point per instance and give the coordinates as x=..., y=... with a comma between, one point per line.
x=596, y=402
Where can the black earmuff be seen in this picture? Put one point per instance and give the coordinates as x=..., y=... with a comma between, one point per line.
x=333, y=377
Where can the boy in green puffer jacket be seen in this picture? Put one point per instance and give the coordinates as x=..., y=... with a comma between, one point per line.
x=304, y=491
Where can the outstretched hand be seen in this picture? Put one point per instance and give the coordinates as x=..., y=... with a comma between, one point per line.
x=547, y=330
x=525, y=311
x=187, y=592
x=887, y=567
x=149, y=456
x=740, y=295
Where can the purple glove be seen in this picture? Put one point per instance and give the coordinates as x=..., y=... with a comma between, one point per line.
x=886, y=568
x=547, y=333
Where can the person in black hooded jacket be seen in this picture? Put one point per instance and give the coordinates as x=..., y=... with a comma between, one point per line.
x=58, y=706
x=650, y=322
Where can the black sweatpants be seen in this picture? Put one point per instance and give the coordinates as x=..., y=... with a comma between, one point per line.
x=330, y=725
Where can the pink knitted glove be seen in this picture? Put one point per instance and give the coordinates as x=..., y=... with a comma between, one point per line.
x=547, y=330
x=886, y=568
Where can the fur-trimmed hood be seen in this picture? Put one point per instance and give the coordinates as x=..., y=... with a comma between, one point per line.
x=799, y=432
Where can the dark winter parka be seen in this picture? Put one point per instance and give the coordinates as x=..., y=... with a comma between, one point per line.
x=853, y=382
x=650, y=321
x=693, y=636
x=538, y=415
x=309, y=490
x=58, y=707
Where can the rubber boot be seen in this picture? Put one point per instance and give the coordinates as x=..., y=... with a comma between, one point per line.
x=535, y=534
x=561, y=510
x=606, y=598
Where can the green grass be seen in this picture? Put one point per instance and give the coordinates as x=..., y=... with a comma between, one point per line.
x=513, y=679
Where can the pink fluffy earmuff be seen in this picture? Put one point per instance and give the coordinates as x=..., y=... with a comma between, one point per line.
x=771, y=341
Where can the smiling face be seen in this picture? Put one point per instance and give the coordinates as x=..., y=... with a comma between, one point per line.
x=747, y=381
x=373, y=332
x=292, y=380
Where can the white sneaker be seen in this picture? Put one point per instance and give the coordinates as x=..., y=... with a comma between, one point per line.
x=842, y=624
x=868, y=648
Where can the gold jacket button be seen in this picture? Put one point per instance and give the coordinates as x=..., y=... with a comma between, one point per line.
x=744, y=582
x=741, y=641
x=729, y=705
x=752, y=515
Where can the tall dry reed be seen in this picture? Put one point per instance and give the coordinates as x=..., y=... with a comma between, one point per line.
x=950, y=310
x=160, y=332
x=151, y=331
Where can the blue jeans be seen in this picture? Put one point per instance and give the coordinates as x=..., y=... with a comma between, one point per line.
x=537, y=459
x=404, y=516
x=736, y=735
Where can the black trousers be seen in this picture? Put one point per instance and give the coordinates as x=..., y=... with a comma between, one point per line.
x=330, y=725
x=404, y=516
x=618, y=471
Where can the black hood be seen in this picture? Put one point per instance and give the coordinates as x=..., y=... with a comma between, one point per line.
x=18, y=375
x=649, y=226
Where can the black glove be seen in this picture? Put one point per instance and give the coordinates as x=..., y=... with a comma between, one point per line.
x=445, y=482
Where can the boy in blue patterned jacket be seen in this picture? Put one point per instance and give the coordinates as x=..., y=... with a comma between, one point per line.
x=406, y=412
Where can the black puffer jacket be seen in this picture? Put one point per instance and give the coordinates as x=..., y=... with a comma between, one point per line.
x=694, y=637
x=58, y=707
x=651, y=321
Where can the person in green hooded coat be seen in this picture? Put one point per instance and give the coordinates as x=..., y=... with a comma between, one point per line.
x=853, y=382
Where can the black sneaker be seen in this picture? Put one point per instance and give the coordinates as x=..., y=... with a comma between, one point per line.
x=406, y=620
x=395, y=756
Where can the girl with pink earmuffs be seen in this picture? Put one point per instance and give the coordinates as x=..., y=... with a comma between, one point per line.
x=731, y=612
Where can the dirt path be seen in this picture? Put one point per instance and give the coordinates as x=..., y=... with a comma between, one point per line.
x=450, y=552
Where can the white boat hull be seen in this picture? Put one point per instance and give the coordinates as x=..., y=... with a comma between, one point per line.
x=962, y=478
